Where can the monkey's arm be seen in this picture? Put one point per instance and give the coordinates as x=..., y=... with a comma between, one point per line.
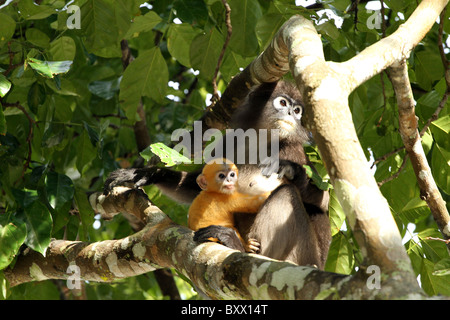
x=314, y=199
x=247, y=203
x=179, y=185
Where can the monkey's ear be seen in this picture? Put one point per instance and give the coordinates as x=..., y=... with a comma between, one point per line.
x=201, y=181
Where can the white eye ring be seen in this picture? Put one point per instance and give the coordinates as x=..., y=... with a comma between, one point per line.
x=298, y=111
x=281, y=102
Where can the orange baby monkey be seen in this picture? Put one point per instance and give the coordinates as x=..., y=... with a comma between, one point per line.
x=219, y=200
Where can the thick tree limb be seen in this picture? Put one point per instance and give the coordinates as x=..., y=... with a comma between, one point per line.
x=325, y=87
x=394, y=48
x=218, y=271
x=329, y=118
x=411, y=139
x=270, y=66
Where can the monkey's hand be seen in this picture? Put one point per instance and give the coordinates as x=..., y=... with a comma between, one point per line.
x=290, y=170
x=133, y=177
x=269, y=166
x=220, y=234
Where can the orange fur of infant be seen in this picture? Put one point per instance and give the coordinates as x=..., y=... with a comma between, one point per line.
x=219, y=200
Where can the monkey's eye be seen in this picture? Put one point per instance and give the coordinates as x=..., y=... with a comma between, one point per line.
x=298, y=112
x=232, y=174
x=221, y=176
x=280, y=102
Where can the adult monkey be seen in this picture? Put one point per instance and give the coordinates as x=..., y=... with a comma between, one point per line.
x=293, y=222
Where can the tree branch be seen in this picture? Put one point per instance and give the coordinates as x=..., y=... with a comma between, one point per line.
x=215, y=96
x=395, y=47
x=225, y=273
x=270, y=66
x=325, y=87
x=411, y=139
x=218, y=271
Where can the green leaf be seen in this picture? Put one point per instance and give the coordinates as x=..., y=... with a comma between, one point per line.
x=244, y=17
x=4, y=287
x=316, y=178
x=441, y=131
x=49, y=68
x=433, y=250
x=98, y=23
x=105, y=89
x=146, y=76
x=336, y=213
x=329, y=29
x=37, y=37
x=180, y=37
x=12, y=236
x=39, y=226
x=105, y=23
x=191, y=11
x=31, y=11
x=86, y=152
x=440, y=164
x=205, y=51
x=428, y=68
x=167, y=155
x=2, y=121
x=431, y=283
x=5, y=85
x=268, y=26
x=36, y=97
x=63, y=49
x=59, y=189
x=7, y=28
x=340, y=256
x=86, y=213
x=442, y=268
x=414, y=210
x=143, y=24
x=232, y=63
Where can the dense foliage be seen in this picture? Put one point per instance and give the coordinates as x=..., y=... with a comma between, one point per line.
x=67, y=110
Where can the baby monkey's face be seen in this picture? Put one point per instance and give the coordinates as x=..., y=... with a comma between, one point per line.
x=226, y=180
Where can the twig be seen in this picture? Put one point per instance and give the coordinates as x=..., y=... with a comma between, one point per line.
x=395, y=175
x=438, y=239
x=215, y=96
x=387, y=155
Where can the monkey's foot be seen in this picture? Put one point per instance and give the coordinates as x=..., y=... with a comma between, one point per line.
x=223, y=235
x=253, y=246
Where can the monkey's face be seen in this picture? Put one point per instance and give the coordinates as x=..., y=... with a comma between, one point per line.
x=286, y=115
x=271, y=106
x=226, y=181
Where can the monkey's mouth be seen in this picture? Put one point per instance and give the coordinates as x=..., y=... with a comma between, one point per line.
x=286, y=124
x=228, y=188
